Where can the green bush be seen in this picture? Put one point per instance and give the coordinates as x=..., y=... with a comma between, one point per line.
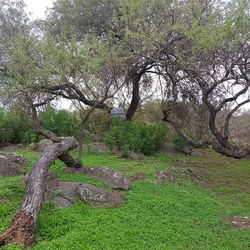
x=179, y=142
x=16, y=127
x=60, y=122
x=134, y=136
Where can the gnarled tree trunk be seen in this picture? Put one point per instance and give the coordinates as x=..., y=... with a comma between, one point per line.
x=22, y=227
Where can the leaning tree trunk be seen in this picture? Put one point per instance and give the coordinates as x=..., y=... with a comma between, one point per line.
x=22, y=227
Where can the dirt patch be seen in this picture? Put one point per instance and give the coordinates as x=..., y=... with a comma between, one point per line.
x=137, y=176
x=238, y=222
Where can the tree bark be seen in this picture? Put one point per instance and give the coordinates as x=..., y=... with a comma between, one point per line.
x=22, y=227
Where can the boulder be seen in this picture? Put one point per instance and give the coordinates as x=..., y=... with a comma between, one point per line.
x=11, y=147
x=12, y=165
x=58, y=191
x=196, y=153
x=64, y=194
x=96, y=147
x=44, y=144
x=168, y=148
x=136, y=156
x=98, y=197
x=109, y=176
x=164, y=176
x=239, y=222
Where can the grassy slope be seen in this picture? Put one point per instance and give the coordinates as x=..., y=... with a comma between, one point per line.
x=185, y=216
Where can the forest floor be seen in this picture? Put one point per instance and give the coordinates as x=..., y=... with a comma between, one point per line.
x=186, y=210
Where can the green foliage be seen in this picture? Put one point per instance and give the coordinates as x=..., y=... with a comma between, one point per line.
x=134, y=136
x=179, y=142
x=60, y=122
x=17, y=128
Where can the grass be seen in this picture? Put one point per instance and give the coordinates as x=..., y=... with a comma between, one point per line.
x=189, y=215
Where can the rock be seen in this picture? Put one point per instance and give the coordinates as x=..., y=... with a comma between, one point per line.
x=180, y=162
x=196, y=153
x=239, y=222
x=164, y=176
x=65, y=190
x=136, y=156
x=44, y=144
x=12, y=165
x=186, y=150
x=109, y=176
x=168, y=148
x=64, y=194
x=12, y=147
x=190, y=172
x=137, y=176
x=98, y=197
x=61, y=202
x=96, y=147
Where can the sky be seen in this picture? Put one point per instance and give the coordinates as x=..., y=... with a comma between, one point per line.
x=38, y=7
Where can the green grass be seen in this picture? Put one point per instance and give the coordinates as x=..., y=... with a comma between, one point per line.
x=190, y=215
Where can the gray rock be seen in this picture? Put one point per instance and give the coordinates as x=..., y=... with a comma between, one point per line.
x=12, y=147
x=186, y=150
x=98, y=197
x=164, y=176
x=96, y=147
x=64, y=194
x=43, y=144
x=168, y=148
x=196, y=153
x=12, y=165
x=136, y=156
x=65, y=190
x=239, y=222
x=61, y=202
x=109, y=176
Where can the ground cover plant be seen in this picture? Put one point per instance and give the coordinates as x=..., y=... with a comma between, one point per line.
x=187, y=215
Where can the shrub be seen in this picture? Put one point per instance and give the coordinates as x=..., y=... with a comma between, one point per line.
x=134, y=136
x=60, y=122
x=179, y=142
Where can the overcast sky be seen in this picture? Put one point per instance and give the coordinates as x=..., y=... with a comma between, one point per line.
x=38, y=7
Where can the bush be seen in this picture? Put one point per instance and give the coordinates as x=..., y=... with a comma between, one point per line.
x=60, y=122
x=16, y=127
x=179, y=142
x=134, y=136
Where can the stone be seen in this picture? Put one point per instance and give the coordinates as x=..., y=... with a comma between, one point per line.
x=65, y=190
x=61, y=202
x=186, y=150
x=168, y=148
x=64, y=194
x=43, y=144
x=190, y=172
x=12, y=165
x=180, y=162
x=109, y=176
x=196, y=153
x=96, y=147
x=136, y=156
x=239, y=222
x=164, y=176
x=98, y=197
x=11, y=147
